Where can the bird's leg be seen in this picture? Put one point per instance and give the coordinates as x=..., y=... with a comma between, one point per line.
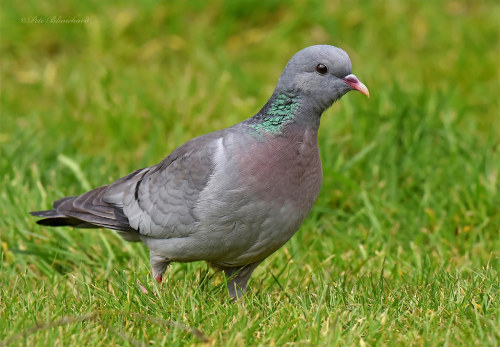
x=159, y=265
x=238, y=279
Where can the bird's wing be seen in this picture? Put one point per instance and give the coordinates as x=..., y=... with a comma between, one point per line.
x=159, y=201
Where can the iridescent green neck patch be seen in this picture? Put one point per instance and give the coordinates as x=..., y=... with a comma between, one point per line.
x=279, y=111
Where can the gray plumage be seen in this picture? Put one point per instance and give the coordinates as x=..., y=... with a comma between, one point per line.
x=231, y=197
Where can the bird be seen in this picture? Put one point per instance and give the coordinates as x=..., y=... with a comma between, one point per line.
x=231, y=197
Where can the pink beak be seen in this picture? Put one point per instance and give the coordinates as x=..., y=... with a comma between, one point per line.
x=356, y=84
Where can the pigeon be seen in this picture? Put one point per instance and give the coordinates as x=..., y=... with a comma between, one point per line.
x=231, y=197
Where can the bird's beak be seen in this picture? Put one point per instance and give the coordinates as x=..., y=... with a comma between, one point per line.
x=356, y=84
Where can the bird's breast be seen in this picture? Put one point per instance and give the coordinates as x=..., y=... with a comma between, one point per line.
x=283, y=169
x=259, y=194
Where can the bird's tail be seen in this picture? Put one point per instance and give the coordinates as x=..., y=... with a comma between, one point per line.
x=98, y=208
x=55, y=219
x=88, y=210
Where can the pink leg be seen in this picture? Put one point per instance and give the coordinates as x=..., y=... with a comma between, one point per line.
x=159, y=265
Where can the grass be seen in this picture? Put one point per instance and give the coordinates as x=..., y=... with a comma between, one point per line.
x=402, y=247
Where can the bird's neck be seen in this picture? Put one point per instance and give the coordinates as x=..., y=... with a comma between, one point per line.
x=284, y=110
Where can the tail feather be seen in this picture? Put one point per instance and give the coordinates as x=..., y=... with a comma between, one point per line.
x=88, y=210
x=46, y=214
x=65, y=221
x=98, y=208
x=54, y=218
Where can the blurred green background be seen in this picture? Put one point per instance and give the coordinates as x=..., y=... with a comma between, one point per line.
x=403, y=244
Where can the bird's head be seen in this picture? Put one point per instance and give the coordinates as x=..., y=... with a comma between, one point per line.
x=322, y=74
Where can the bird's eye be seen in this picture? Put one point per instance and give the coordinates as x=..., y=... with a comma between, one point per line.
x=322, y=69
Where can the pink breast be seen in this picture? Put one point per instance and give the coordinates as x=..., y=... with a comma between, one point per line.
x=283, y=169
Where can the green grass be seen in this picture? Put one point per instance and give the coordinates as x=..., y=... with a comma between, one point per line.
x=403, y=245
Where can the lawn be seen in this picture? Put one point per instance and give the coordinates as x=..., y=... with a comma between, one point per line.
x=403, y=244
